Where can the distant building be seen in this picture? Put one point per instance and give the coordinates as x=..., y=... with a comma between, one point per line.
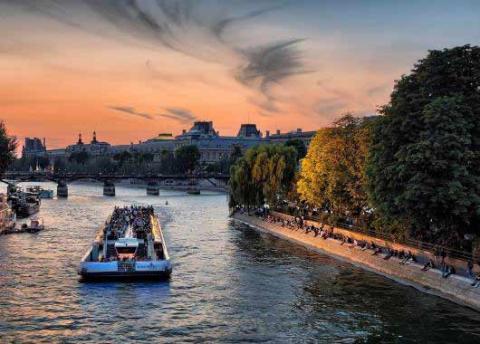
x=34, y=147
x=278, y=137
x=94, y=148
x=249, y=130
x=212, y=146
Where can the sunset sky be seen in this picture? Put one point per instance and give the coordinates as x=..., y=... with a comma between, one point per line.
x=132, y=69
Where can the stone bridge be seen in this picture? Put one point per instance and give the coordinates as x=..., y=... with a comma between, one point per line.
x=192, y=183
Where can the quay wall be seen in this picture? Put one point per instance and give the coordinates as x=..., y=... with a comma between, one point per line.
x=422, y=255
x=455, y=288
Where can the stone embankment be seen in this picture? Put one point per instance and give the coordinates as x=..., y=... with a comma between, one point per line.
x=456, y=287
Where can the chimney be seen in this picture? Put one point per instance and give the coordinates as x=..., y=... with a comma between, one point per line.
x=184, y=131
x=267, y=133
x=299, y=130
x=278, y=131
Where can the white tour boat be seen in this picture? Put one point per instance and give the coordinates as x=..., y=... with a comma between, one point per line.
x=129, y=246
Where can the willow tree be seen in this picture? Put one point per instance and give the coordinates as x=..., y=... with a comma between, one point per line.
x=332, y=175
x=264, y=174
x=424, y=166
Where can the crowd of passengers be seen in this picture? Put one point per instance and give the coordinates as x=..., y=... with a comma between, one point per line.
x=326, y=231
x=138, y=217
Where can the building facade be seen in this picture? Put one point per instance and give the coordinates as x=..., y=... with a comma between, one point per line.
x=34, y=147
x=212, y=146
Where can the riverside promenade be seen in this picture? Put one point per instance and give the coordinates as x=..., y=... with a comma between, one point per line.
x=456, y=287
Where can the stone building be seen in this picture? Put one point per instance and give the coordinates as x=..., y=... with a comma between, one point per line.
x=34, y=147
x=212, y=146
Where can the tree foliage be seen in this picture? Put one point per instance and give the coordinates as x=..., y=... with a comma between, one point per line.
x=299, y=147
x=332, y=175
x=423, y=169
x=81, y=157
x=224, y=164
x=264, y=174
x=8, y=145
x=187, y=158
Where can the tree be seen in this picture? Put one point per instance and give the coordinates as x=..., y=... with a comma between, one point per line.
x=424, y=167
x=332, y=176
x=187, y=158
x=167, y=162
x=265, y=173
x=122, y=157
x=226, y=162
x=59, y=164
x=299, y=147
x=8, y=146
x=81, y=157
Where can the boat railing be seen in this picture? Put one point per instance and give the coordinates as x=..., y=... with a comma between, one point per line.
x=158, y=228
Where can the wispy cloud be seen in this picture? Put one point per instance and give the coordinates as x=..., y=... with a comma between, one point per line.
x=179, y=114
x=220, y=27
x=268, y=65
x=131, y=111
x=198, y=29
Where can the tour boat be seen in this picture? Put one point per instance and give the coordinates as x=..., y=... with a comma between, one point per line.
x=129, y=246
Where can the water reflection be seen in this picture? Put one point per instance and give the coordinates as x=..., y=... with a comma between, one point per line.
x=229, y=284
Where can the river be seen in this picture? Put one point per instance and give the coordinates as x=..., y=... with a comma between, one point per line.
x=229, y=284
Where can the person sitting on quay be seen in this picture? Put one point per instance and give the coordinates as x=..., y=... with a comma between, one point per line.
x=409, y=256
x=376, y=250
x=429, y=265
x=449, y=270
x=476, y=281
x=389, y=254
x=470, y=273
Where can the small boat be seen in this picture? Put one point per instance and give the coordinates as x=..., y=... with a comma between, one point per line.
x=24, y=204
x=129, y=246
x=36, y=225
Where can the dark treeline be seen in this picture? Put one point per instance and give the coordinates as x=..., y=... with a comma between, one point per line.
x=185, y=159
x=411, y=172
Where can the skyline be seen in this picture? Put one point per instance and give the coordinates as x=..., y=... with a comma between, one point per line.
x=133, y=70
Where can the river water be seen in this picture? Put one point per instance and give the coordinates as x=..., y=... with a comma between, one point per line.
x=229, y=284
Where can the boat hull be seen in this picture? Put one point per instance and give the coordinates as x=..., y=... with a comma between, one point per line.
x=24, y=211
x=141, y=270
x=125, y=276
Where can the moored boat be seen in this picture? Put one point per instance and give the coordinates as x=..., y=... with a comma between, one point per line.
x=24, y=204
x=7, y=216
x=129, y=246
x=36, y=225
x=42, y=193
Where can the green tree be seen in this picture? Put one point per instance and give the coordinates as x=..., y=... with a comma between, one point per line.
x=332, y=176
x=122, y=157
x=59, y=164
x=187, y=158
x=167, y=162
x=299, y=147
x=81, y=157
x=8, y=146
x=424, y=167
